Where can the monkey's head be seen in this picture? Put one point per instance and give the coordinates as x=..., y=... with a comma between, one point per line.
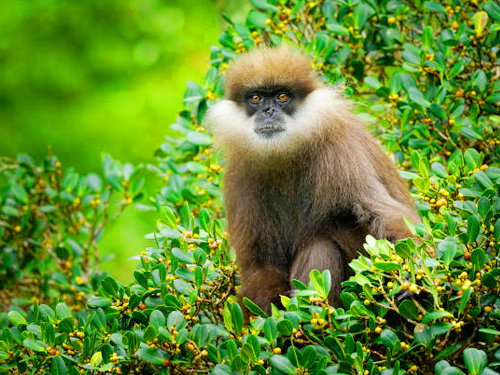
x=274, y=105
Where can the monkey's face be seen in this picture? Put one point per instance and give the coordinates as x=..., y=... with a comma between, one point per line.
x=274, y=122
x=269, y=109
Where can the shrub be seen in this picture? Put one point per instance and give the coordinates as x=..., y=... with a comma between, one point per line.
x=50, y=222
x=428, y=77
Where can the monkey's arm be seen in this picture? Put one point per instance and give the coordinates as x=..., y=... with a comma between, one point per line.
x=381, y=199
x=384, y=214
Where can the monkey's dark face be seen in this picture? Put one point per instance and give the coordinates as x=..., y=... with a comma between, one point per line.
x=270, y=107
x=273, y=121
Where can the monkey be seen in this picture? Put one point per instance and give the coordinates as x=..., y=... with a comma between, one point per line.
x=305, y=181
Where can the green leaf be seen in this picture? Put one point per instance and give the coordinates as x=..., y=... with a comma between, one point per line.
x=318, y=283
x=282, y=364
x=464, y=300
x=388, y=338
x=183, y=256
x=416, y=96
x=457, y=68
x=185, y=214
x=418, y=143
x=447, y=250
x=480, y=19
x=199, y=138
x=257, y=19
x=434, y=7
x=16, y=318
x=439, y=169
x=483, y=180
x=373, y=82
x=493, y=10
x=489, y=331
x=285, y=327
x=489, y=280
x=114, y=180
x=248, y=353
x=196, y=167
x=405, y=175
x=35, y=345
x=469, y=133
x=237, y=317
x=496, y=230
x=141, y=279
x=403, y=250
x=479, y=79
x=410, y=225
x=157, y=319
x=94, y=182
x=447, y=352
x=473, y=226
x=408, y=309
x=434, y=315
x=110, y=286
x=154, y=356
x=361, y=13
x=471, y=157
x=438, y=111
x=336, y=28
x=263, y=4
x=387, y=266
x=58, y=366
x=63, y=311
x=359, y=310
x=427, y=37
x=98, y=301
x=478, y=259
x=270, y=330
x=483, y=206
x=204, y=219
x=253, y=307
x=175, y=319
x=149, y=334
x=19, y=192
x=475, y=360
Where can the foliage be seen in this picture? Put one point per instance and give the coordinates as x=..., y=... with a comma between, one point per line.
x=428, y=76
x=50, y=222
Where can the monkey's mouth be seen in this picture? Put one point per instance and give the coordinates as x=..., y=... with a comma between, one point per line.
x=268, y=131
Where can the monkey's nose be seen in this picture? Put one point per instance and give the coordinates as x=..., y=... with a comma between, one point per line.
x=269, y=111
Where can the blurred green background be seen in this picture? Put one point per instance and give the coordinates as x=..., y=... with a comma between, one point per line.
x=92, y=76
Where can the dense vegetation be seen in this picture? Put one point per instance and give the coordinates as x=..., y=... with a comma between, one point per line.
x=427, y=74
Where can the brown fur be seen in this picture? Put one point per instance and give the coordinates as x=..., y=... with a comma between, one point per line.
x=270, y=67
x=312, y=206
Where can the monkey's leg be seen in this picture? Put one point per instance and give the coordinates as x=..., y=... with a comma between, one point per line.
x=321, y=254
x=264, y=286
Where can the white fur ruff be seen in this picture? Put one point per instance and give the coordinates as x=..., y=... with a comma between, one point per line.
x=235, y=132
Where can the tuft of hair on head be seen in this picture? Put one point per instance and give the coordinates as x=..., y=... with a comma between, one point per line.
x=271, y=67
x=319, y=114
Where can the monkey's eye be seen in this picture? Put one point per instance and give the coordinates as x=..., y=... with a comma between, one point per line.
x=255, y=98
x=282, y=97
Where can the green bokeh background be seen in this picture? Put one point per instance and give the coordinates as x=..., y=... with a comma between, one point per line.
x=92, y=76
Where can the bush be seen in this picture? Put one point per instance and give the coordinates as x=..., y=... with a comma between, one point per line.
x=50, y=222
x=428, y=76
